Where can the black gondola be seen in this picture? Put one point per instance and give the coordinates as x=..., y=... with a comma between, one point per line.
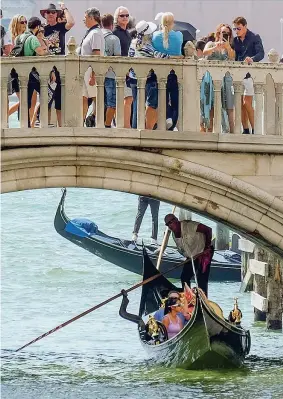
x=225, y=266
x=207, y=340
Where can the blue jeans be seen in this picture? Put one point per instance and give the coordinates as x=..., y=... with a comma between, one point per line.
x=110, y=93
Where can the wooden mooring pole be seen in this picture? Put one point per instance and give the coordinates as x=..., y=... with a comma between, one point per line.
x=267, y=297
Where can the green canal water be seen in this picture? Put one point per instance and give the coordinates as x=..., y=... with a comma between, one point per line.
x=46, y=280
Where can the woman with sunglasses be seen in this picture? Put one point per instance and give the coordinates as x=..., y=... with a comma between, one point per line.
x=222, y=50
x=172, y=321
x=17, y=27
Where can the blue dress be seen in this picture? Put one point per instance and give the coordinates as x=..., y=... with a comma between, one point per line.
x=175, y=41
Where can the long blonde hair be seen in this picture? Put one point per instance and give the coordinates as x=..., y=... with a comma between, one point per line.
x=14, y=25
x=167, y=23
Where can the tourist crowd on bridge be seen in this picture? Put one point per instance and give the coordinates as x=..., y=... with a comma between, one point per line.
x=118, y=34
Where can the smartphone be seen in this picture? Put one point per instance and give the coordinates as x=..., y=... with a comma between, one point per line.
x=226, y=36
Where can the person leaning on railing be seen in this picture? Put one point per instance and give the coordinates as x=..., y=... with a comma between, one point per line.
x=121, y=20
x=222, y=50
x=248, y=48
x=112, y=48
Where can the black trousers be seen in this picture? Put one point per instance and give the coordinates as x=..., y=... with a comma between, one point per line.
x=202, y=278
x=142, y=207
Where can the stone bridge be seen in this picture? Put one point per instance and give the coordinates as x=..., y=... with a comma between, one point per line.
x=233, y=178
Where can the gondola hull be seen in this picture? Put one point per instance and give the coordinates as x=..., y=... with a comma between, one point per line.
x=207, y=340
x=129, y=257
x=204, y=343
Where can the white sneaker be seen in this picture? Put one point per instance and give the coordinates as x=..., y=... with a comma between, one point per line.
x=153, y=242
x=135, y=237
x=169, y=123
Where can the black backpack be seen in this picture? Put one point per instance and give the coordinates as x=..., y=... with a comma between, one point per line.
x=18, y=50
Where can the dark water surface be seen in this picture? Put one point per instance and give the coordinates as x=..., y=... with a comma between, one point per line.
x=46, y=280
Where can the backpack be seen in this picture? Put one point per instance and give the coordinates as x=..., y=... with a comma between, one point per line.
x=18, y=50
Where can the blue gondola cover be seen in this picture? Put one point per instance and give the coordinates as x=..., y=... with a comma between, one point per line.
x=81, y=227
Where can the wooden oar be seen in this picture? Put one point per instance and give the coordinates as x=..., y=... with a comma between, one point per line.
x=98, y=306
x=164, y=242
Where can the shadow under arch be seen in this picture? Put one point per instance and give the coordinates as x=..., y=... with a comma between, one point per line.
x=244, y=208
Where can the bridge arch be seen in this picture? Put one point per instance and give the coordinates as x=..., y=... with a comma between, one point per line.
x=162, y=174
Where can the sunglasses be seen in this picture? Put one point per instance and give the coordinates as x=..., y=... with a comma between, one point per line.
x=177, y=305
x=51, y=12
x=237, y=28
x=23, y=22
x=124, y=15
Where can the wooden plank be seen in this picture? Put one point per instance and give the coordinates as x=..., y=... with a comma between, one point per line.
x=246, y=282
x=246, y=245
x=258, y=267
x=259, y=302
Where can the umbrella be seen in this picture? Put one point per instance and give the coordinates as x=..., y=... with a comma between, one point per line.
x=188, y=30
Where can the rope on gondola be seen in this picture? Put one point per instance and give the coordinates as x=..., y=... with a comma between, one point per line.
x=141, y=283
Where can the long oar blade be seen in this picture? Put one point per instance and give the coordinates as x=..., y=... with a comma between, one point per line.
x=97, y=307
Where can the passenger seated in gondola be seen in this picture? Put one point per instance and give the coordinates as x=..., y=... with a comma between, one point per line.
x=159, y=314
x=172, y=320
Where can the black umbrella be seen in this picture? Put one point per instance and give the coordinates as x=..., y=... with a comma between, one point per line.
x=188, y=30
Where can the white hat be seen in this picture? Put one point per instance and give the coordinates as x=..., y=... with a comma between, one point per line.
x=145, y=28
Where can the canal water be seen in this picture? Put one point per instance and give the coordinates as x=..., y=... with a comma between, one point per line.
x=47, y=280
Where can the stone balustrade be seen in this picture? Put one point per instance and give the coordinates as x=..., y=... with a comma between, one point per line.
x=267, y=77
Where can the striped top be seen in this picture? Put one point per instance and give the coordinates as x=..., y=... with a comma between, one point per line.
x=147, y=50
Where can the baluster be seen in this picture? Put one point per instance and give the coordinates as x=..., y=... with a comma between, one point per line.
x=23, y=102
x=191, y=98
x=100, y=101
x=258, y=108
x=141, y=103
x=217, y=106
x=4, y=102
x=73, y=90
x=44, y=101
x=162, y=104
x=120, y=83
x=180, y=113
x=238, y=87
x=279, y=108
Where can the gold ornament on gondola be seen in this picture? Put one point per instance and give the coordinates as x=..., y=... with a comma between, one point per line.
x=235, y=315
x=153, y=328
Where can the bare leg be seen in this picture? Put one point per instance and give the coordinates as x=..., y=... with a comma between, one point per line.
x=14, y=107
x=49, y=116
x=248, y=104
x=110, y=113
x=127, y=111
x=32, y=123
x=245, y=120
x=32, y=115
x=59, y=117
x=150, y=117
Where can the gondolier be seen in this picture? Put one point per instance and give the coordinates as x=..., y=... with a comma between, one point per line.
x=193, y=240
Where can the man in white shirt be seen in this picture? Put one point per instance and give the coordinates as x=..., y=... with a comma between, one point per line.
x=92, y=44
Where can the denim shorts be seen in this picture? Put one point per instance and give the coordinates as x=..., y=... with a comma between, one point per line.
x=110, y=93
x=151, y=94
